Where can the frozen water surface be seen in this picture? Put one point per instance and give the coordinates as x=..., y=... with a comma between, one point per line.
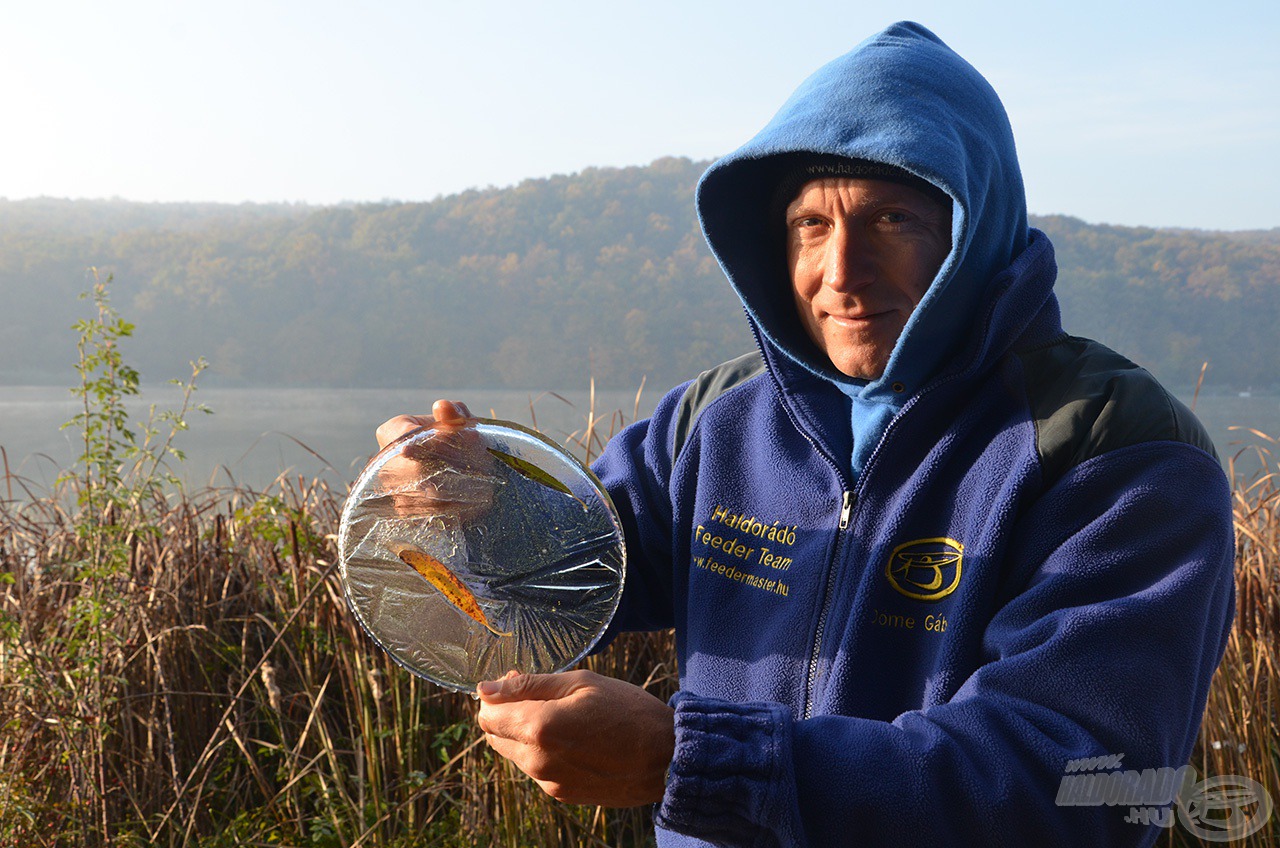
x=525, y=528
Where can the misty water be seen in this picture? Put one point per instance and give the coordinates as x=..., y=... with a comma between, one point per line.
x=257, y=434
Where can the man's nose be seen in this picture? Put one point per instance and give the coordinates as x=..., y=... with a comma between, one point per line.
x=848, y=265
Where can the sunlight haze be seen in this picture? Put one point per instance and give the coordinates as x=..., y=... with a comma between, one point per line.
x=1141, y=114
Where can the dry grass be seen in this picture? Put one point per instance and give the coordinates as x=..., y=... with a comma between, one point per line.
x=184, y=670
x=1240, y=734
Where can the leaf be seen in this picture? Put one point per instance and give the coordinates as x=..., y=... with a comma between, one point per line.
x=536, y=474
x=435, y=573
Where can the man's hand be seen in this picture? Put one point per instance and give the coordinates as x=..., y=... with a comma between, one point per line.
x=446, y=413
x=406, y=477
x=584, y=738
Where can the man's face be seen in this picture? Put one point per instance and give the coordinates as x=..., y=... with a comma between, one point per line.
x=862, y=253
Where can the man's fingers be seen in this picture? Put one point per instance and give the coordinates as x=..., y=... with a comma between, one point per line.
x=512, y=749
x=521, y=706
x=534, y=762
x=396, y=427
x=450, y=413
x=518, y=730
x=500, y=725
x=529, y=687
x=584, y=738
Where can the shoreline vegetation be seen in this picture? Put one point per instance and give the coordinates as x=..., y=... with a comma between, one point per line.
x=525, y=285
x=180, y=667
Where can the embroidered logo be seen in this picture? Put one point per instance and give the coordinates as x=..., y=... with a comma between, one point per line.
x=926, y=569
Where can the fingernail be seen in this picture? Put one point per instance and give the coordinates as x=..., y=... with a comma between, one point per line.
x=488, y=687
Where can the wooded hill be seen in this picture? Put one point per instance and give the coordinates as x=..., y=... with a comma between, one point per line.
x=540, y=285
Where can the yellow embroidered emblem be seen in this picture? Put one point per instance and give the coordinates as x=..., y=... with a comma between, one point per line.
x=926, y=569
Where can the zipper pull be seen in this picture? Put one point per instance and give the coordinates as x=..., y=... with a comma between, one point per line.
x=846, y=510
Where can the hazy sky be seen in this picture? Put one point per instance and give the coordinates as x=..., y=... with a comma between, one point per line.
x=1161, y=113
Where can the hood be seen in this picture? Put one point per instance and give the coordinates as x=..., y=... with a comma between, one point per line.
x=904, y=99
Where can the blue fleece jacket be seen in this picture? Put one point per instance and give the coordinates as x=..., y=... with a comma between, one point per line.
x=1029, y=560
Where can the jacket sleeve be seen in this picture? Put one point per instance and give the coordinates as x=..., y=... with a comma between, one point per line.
x=635, y=468
x=1123, y=600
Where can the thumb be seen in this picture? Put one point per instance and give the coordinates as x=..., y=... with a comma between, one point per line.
x=527, y=687
x=450, y=413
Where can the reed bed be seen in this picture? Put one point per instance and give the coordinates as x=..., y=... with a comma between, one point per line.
x=1240, y=734
x=182, y=669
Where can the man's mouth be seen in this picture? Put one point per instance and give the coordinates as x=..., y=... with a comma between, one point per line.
x=856, y=319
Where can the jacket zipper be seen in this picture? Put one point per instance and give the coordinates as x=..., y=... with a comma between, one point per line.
x=846, y=510
x=847, y=502
x=849, y=496
x=811, y=681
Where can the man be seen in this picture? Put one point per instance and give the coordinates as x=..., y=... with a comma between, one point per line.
x=922, y=548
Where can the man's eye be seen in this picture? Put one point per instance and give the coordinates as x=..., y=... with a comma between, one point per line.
x=810, y=221
x=893, y=217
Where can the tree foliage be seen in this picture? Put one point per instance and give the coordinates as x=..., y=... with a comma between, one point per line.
x=602, y=273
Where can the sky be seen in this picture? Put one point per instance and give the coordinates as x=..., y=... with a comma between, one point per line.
x=1139, y=113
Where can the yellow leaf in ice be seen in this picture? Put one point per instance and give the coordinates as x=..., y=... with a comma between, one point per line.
x=448, y=583
x=536, y=474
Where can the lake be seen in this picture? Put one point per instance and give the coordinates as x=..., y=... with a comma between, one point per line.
x=256, y=434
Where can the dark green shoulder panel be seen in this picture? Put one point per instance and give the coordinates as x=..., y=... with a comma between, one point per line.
x=708, y=386
x=1087, y=399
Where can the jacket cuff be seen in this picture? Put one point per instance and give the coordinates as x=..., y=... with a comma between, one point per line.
x=728, y=767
